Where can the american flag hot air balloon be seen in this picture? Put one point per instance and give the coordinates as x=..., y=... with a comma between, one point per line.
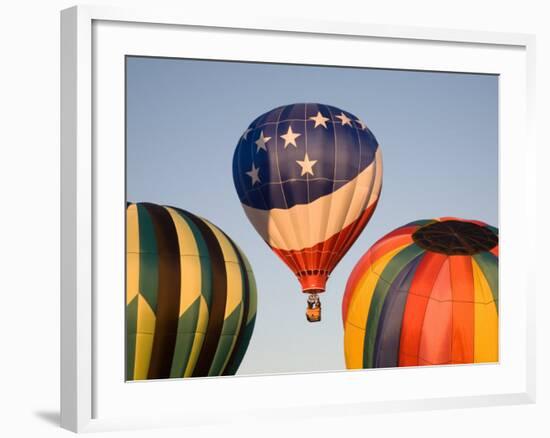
x=308, y=177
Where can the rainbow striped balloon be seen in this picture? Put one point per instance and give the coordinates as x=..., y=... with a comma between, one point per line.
x=190, y=296
x=424, y=294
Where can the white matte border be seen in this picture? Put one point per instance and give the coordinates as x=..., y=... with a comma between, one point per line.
x=145, y=404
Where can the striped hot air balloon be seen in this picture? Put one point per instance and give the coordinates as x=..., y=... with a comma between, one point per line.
x=424, y=294
x=308, y=177
x=190, y=296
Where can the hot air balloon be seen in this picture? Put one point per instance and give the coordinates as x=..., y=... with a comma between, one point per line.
x=190, y=296
x=308, y=177
x=424, y=294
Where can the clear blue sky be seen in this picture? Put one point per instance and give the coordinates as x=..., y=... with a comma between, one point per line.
x=439, y=137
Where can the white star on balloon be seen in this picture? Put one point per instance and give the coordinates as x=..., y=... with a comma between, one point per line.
x=363, y=126
x=345, y=119
x=319, y=120
x=290, y=137
x=261, y=142
x=254, y=174
x=306, y=165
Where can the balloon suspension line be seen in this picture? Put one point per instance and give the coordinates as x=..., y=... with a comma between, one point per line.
x=313, y=310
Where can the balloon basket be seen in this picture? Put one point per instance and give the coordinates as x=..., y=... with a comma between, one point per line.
x=313, y=309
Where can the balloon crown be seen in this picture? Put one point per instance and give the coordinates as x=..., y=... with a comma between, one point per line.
x=453, y=237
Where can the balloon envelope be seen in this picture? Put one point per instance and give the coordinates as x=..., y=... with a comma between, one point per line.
x=424, y=294
x=190, y=296
x=308, y=177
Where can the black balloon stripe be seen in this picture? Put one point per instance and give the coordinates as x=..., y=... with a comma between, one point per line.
x=169, y=279
x=219, y=298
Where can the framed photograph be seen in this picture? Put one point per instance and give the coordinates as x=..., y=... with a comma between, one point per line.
x=264, y=217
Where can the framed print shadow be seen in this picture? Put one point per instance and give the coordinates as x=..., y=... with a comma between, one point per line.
x=256, y=213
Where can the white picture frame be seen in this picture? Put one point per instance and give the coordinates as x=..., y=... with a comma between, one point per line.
x=94, y=41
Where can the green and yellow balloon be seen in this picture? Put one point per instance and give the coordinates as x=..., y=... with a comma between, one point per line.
x=190, y=296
